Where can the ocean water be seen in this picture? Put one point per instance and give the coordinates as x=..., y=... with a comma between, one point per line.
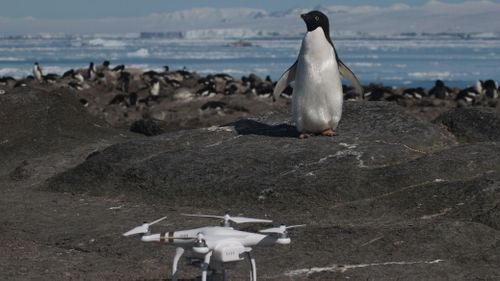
x=398, y=61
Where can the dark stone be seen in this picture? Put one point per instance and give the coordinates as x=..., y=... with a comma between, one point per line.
x=215, y=105
x=472, y=124
x=149, y=127
x=252, y=127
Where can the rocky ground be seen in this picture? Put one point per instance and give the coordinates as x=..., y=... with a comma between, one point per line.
x=402, y=193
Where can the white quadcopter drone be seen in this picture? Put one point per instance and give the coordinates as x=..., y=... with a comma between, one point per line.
x=216, y=244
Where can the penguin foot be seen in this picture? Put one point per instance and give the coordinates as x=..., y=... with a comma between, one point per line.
x=326, y=133
x=329, y=133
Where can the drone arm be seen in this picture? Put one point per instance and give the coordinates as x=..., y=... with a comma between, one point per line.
x=151, y=238
x=164, y=237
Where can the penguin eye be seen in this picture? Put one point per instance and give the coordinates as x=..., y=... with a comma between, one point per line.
x=316, y=18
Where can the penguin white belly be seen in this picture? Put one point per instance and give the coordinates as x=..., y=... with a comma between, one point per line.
x=37, y=73
x=317, y=96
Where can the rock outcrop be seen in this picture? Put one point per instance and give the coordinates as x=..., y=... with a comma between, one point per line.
x=391, y=197
x=35, y=123
x=473, y=124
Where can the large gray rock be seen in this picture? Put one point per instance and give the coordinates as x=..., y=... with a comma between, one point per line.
x=473, y=124
x=35, y=123
x=262, y=159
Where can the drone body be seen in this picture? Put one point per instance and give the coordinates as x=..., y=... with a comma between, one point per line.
x=216, y=244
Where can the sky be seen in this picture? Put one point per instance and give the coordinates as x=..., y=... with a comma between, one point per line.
x=133, y=16
x=84, y=9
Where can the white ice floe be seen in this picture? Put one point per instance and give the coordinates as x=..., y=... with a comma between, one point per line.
x=141, y=53
x=11, y=59
x=106, y=43
x=431, y=74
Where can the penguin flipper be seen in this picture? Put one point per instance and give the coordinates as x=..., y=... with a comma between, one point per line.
x=349, y=75
x=285, y=79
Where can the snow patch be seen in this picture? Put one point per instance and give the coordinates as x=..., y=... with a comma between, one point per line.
x=106, y=43
x=344, y=268
x=141, y=53
x=430, y=75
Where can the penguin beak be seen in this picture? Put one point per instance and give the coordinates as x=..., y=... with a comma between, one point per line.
x=303, y=16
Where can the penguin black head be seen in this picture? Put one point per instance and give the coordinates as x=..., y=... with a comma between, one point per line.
x=490, y=85
x=315, y=19
x=439, y=83
x=106, y=63
x=491, y=88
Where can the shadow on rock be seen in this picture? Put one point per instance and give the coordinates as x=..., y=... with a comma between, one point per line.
x=252, y=127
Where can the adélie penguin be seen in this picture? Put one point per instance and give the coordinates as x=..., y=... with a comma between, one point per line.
x=317, y=95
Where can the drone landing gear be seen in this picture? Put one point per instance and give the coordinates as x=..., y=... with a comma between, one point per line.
x=206, y=263
x=178, y=253
x=253, y=267
x=217, y=270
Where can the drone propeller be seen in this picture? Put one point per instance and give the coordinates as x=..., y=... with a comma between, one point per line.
x=227, y=218
x=143, y=229
x=200, y=245
x=281, y=230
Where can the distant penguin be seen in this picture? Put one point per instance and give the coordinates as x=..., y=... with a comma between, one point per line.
x=8, y=81
x=150, y=74
x=153, y=93
x=101, y=78
x=75, y=85
x=118, y=68
x=79, y=77
x=490, y=88
x=440, y=91
x=37, y=72
x=317, y=96
x=124, y=99
x=84, y=102
x=470, y=95
x=51, y=78
x=92, y=72
x=22, y=83
x=378, y=92
x=69, y=73
x=414, y=93
x=213, y=105
x=124, y=81
x=154, y=90
x=207, y=91
x=105, y=65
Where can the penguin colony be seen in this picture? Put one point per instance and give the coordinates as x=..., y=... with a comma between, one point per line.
x=135, y=90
